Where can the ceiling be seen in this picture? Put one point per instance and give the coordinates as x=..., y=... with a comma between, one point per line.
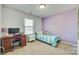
x=34, y=9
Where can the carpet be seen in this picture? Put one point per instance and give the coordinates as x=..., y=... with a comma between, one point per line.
x=40, y=48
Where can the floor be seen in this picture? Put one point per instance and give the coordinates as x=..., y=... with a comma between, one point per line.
x=40, y=48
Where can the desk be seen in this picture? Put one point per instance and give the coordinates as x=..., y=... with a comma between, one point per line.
x=7, y=42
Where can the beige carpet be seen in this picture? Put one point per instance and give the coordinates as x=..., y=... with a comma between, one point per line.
x=40, y=48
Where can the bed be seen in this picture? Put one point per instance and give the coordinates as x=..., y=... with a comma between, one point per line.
x=48, y=38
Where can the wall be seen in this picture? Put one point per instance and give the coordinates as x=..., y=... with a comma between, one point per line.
x=0, y=18
x=64, y=25
x=13, y=18
x=78, y=23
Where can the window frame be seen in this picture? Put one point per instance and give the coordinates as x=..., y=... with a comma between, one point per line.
x=32, y=26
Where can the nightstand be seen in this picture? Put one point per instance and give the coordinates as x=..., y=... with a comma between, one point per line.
x=31, y=37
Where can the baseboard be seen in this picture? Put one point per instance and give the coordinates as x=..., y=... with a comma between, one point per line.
x=69, y=43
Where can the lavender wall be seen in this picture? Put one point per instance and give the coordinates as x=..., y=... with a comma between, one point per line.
x=64, y=25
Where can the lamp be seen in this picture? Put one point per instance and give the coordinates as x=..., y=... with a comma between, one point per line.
x=42, y=6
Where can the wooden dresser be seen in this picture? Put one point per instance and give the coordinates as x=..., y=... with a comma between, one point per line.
x=8, y=41
x=23, y=40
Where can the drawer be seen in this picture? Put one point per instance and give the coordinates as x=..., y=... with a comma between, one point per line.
x=6, y=45
x=6, y=41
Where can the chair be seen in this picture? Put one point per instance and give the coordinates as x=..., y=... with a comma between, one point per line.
x=31, y=37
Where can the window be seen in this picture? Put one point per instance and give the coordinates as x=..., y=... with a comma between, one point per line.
x=28, y=23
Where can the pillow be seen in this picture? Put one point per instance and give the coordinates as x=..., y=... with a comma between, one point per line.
x=39, y=33
x=43, y=33
x=46, y=33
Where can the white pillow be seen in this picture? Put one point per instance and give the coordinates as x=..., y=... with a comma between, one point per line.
x=39, y=33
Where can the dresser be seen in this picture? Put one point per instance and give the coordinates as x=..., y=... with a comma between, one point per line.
x=7, y=43
x=23, y=40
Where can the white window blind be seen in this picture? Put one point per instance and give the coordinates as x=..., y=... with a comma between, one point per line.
x=28, y=26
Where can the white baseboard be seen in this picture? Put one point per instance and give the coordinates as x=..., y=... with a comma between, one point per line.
x=69, y=43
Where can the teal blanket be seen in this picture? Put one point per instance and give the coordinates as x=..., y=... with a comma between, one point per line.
x=49, y=39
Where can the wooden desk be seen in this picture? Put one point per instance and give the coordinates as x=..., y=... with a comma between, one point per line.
x=7, y=42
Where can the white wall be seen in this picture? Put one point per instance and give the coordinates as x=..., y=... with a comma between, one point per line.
x=0, y=18
x=13, y=18
x=0, y=15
